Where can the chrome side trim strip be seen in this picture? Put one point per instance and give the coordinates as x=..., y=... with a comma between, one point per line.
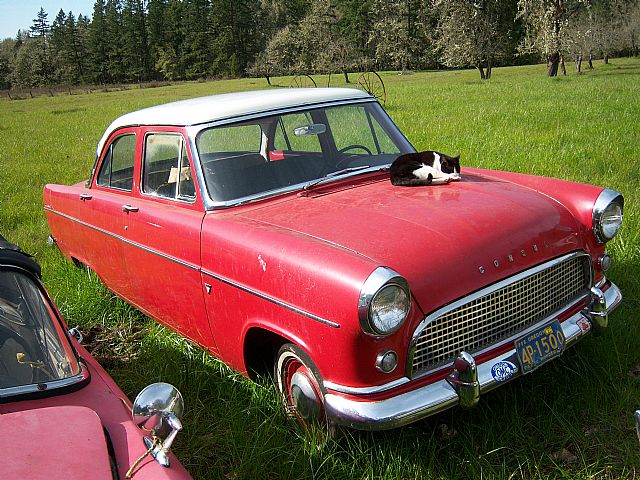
x=271, y=299
x=433, y=398
x=128, y=242
x=202, y=271
x=336, y=387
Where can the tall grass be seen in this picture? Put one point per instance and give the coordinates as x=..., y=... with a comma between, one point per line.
x=570, y=419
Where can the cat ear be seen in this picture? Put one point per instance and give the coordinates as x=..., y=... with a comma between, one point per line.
x=457, y=157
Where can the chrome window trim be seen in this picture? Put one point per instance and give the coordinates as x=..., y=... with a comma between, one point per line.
x=605, y=198
x=151, y=196
x=42, y=387
x=193, y=131
x=46, y=386
x=486, y=291
x=101, y=162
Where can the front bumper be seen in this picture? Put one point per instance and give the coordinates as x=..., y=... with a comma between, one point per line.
x=438, y=396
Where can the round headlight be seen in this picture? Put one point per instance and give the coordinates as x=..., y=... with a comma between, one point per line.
x=607, y=215
x=388, y=309
x=384, y=302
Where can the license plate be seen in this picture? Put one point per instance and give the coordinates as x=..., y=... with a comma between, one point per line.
x=540, y=346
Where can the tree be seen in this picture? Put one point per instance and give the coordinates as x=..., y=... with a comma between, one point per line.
x=97, y=42
x=42, y=65
x=135, y=48
x=7, y=56
x=546, y=22
x=474, y=33
x=400, y=34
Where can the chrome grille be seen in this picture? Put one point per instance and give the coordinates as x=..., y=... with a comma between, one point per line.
x=499, y=312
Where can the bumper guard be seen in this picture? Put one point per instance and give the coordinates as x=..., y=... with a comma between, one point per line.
x=467, y=380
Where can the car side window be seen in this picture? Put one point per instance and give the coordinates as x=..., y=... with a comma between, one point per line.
x=116, y=170
x=166, y=169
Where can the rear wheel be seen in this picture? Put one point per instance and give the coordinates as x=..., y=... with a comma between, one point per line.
x=299, y=385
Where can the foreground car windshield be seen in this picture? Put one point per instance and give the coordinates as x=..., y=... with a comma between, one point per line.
x=33, y=350
x=279, y=151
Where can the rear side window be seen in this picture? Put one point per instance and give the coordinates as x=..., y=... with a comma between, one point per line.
x=117, y=166
x=167, y=171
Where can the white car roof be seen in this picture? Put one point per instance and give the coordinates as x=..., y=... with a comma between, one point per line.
x=229, y=105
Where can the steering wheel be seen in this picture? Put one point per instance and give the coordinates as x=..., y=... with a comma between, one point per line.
x=343, y=156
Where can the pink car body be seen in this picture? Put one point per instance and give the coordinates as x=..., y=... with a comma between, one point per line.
x=281, y=243
x=71, y=424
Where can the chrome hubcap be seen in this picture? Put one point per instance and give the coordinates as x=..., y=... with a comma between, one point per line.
x=304, y=397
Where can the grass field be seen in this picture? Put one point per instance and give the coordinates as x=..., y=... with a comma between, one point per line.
x=571, y=419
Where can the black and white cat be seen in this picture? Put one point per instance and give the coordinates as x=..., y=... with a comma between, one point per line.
x=424, y=168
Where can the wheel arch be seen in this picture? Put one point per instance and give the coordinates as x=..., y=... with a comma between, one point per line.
x=261, y=345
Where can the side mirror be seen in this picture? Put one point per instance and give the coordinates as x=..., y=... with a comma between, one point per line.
x=637, y=415
x=158, y=409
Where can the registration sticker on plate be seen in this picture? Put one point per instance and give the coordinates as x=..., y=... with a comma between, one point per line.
x=540, y=346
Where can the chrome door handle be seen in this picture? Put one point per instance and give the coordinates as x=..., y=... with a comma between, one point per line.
x=85, y=196
x=129, y=208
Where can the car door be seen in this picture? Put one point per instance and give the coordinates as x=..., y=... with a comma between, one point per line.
x=162, y=231
x=94, y=217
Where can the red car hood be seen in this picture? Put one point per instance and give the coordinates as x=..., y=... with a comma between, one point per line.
x=64, y=443
x=447, y=240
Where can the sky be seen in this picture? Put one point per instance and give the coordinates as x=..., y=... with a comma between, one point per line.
x=19, y=14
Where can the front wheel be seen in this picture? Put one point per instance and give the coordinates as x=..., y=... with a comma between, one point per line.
x=299, y=385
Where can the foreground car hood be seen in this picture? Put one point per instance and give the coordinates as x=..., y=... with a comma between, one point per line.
x=446, y=240
x=53, y=443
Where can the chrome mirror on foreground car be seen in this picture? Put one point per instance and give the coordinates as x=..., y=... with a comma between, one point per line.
x=157, y=409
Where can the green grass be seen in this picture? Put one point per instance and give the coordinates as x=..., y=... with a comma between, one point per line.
x=571, y=419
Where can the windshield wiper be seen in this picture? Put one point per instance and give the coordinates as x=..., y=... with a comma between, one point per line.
x=329, y=176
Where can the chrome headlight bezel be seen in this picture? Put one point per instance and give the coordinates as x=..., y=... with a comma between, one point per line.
x=380, y=279
x=609, y=205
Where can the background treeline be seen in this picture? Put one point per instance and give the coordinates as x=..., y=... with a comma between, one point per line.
x=129, y=41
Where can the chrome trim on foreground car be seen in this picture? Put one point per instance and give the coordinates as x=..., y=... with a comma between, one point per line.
x=436, y=397
x=82, y=376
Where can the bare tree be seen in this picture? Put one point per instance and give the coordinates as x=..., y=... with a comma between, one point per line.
x=546, y=22
x=473, y=33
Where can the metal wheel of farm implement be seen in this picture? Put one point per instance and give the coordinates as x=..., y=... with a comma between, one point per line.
x=302, y=81
x=371, y=83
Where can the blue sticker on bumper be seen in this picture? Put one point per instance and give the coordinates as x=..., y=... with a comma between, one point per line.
x=503, y=371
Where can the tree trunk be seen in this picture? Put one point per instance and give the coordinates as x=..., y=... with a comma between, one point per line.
x=346, y=76
x=562, y=67
x=489, y=68
x=606, y=59
x=552, y=64
x=590, y=61
x=481, y=70
x=579, y=63
x=268, y=79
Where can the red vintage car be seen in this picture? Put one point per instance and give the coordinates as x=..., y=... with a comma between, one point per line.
x=61, y=415
x=263, y=227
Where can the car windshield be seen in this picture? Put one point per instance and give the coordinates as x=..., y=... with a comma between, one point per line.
x=297, y=148
x=34, y=351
